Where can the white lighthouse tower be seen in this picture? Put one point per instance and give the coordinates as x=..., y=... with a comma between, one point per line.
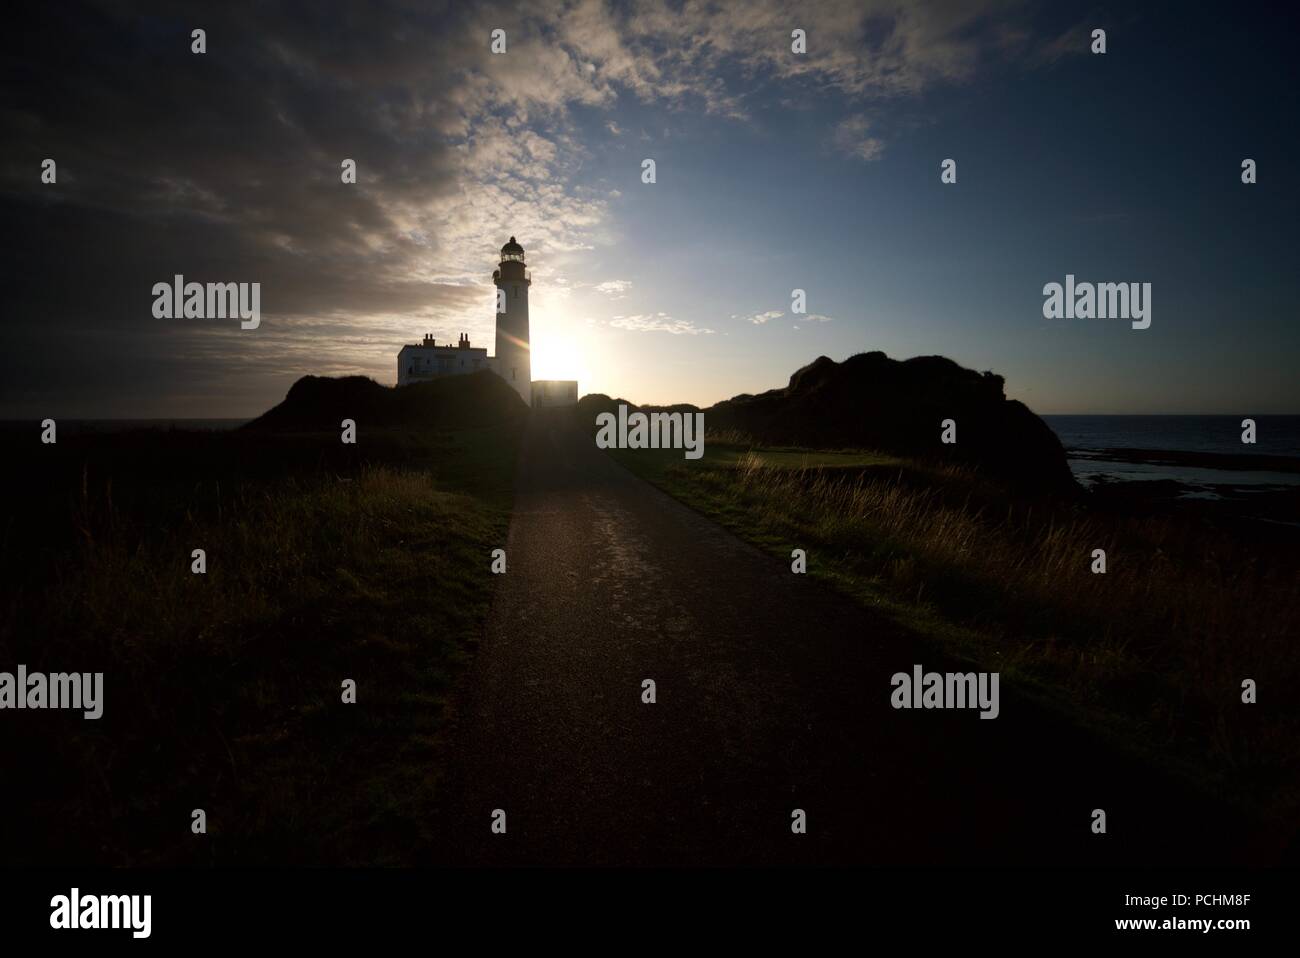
x=513, y=354
x=513, y=362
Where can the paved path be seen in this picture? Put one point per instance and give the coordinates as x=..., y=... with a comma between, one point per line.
x=773, y=694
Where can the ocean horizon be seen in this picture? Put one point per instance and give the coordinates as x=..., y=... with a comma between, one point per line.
x=1275, y=435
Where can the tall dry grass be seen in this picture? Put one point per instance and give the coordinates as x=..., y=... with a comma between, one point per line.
x=223, y=690
x=1161, y=642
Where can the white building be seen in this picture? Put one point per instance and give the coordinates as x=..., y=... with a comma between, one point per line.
x=427, y=360
x=513, y=359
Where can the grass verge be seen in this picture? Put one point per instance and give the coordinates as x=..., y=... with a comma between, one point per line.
x=1152, y=653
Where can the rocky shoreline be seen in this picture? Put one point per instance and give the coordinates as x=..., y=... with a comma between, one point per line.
x=1257, y=494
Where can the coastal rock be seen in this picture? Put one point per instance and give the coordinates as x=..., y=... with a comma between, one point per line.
x=873, y=402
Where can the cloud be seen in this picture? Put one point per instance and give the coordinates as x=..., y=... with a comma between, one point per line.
x=759, y=319
x=613, y=287
x=1075, y=41
x=658, y=323
x=851, y=136
x=859, y=48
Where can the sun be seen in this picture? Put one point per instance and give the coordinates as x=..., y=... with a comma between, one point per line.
x=558, y=357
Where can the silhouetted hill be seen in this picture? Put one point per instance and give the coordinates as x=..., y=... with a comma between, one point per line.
x=593, y=404
x=321, y=403
x=870, y=401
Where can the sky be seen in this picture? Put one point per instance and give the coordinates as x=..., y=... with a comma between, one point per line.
x=775, y=171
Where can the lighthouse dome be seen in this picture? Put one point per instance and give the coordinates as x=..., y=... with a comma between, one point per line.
x=512, y=249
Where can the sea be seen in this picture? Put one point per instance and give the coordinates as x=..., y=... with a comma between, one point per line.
x=1086, y=437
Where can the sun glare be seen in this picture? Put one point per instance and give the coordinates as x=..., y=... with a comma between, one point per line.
x=558, y=357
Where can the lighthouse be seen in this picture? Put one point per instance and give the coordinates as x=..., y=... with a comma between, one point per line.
x=513, y=362
x=513, y=356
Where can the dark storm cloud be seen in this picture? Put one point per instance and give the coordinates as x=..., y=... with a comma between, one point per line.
x=239, y=147
x=222, y=167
